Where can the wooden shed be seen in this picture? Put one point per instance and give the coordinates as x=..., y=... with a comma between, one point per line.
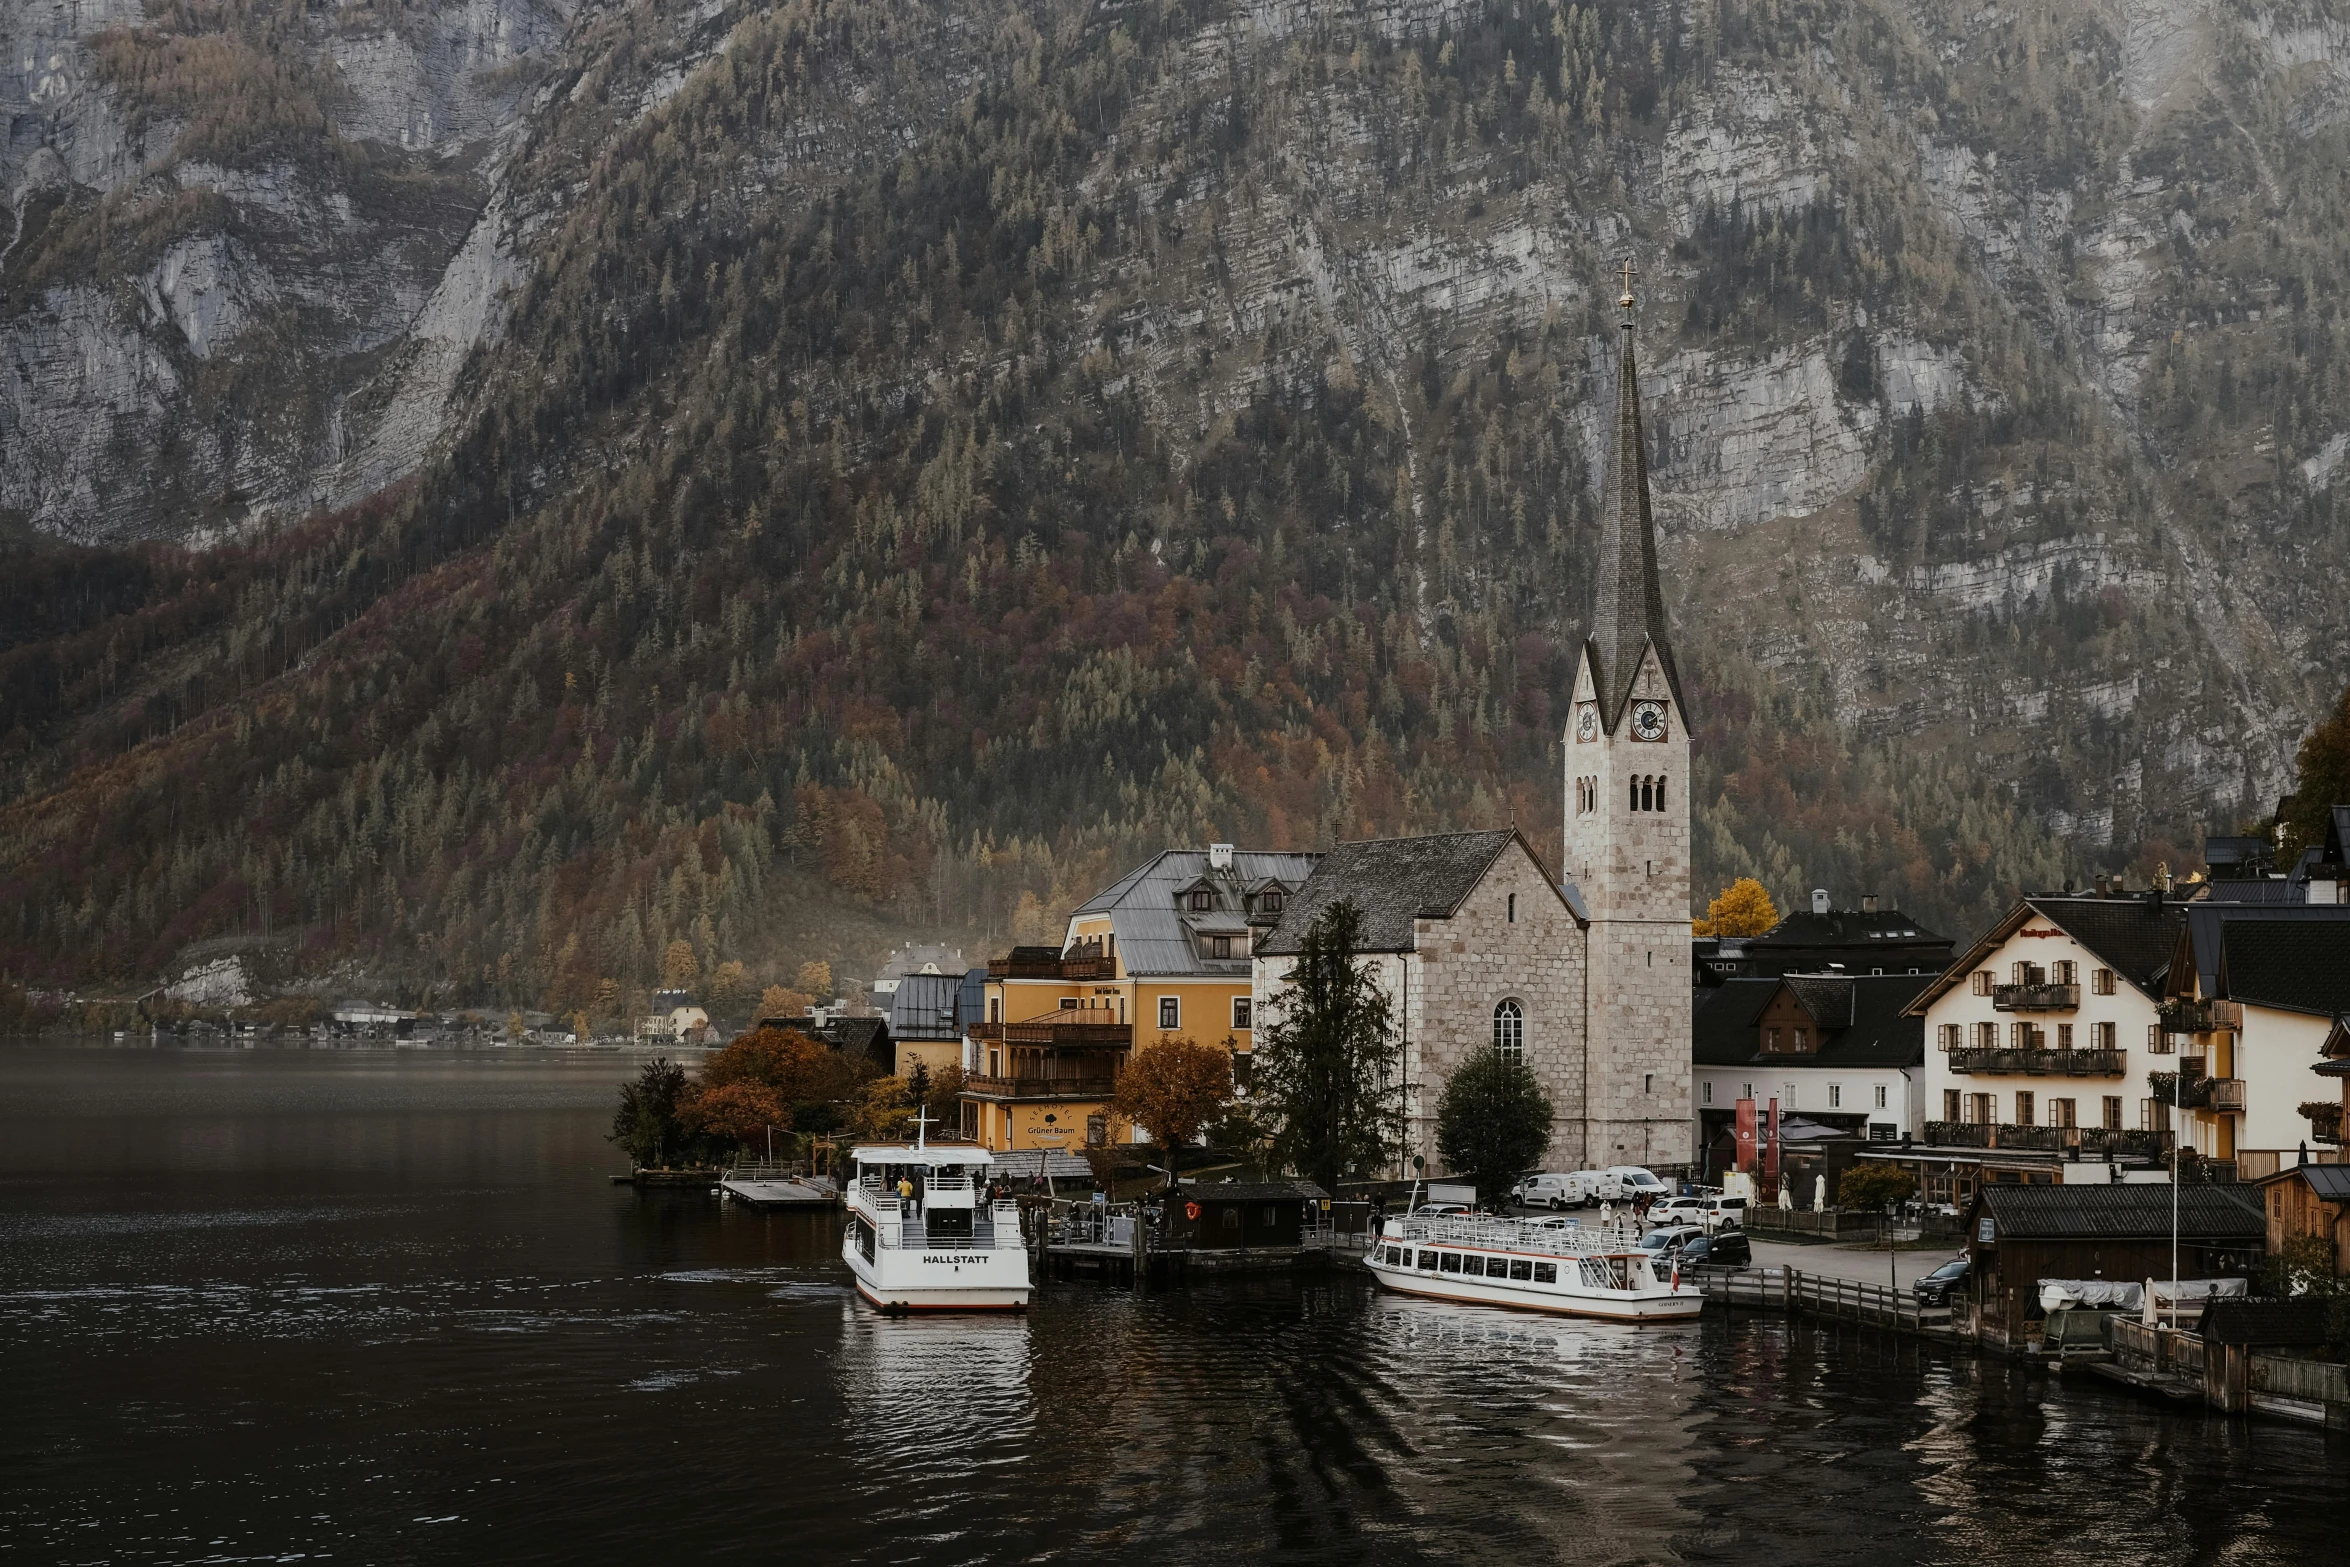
x=1232, y=1215
x=2019, y=1235
x=2310, y=1199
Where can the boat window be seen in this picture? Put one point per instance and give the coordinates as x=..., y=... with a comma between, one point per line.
x=1450, y=1262
x=1427, y=1260
x=1474, y=1266
x=1546, y=1273
x=1520, y=1268
x=1394, y=1255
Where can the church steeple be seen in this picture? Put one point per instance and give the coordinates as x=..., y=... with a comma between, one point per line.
x=1628, y=608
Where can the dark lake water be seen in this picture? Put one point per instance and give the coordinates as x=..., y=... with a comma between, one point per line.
x=385, y=1307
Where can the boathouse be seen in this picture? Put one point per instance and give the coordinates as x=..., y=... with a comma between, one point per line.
x=2019, y=1235
x=1240, y=1215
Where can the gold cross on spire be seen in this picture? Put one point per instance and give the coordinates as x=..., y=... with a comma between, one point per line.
x=1629, y=275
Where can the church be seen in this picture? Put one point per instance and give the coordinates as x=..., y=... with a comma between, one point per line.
x=1582, y=973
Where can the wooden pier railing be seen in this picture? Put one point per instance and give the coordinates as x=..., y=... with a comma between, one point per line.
x=1810, y=1294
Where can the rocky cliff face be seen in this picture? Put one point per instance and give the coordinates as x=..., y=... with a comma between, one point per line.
x=1996, y=362
x=238, y=248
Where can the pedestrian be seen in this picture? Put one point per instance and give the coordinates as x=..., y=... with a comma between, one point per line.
x=905, y=1192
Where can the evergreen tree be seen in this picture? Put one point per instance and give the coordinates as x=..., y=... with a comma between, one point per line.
x=1492, y=1123
x=1327, y=1062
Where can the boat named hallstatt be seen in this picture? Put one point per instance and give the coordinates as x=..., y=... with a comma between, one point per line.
x=938, y=1244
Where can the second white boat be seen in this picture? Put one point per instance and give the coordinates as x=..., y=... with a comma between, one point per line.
x=1531, y=1266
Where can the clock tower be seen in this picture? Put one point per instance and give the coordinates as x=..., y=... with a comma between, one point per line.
x=1627, y=824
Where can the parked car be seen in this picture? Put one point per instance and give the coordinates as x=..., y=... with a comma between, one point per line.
x=1550, y=1190
x=1678, y=1210
x=1429, y=1210
x=1724, y=1213
x=1729, y=1249
x=1936, y=1288
x=1663, y=1243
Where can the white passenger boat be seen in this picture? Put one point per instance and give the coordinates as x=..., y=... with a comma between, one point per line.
x=948, y=1248
x=1598, y=1272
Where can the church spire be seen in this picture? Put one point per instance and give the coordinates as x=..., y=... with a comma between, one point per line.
x=1628, y=609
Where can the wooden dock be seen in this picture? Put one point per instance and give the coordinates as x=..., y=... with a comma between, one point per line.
x=1797, y=1293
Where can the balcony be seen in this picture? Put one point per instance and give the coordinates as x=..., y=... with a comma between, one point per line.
x=1045, y=963
x=2094, y=1142
x=1040, y=1087
x=2219, y=1095
x=1081, y=1033
x=2200, y=1017
x=2035, y=998
x=2325, y=1122
x=2038, y=1063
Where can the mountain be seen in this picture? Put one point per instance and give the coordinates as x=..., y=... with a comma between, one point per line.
x=492, y=490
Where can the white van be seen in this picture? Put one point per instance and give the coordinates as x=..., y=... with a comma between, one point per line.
x=1550, y=1190
x=1634, y=1182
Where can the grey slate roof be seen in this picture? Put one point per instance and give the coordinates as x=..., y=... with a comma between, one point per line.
x=2256, y=935
x=1848, y=928
x=1875, y=1031
x=2134, y=934
x=925, y=1007
x=2141, y=1212
x=2328, y=1181
x=1152, y=936
x=2297, y=965
x=1393, y=881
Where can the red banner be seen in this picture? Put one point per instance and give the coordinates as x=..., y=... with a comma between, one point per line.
x=1770, y=1172
x=1745, y=1134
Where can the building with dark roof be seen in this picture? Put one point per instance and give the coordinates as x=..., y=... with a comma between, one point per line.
x=1476, y=946
x=2019, y=1235
x=2250, y=996
x=2040, y=1037
x=851, y=1036
x=1866, y=940
x=1840, y=1050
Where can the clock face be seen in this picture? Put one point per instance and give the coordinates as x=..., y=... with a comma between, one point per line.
x=1587, y=721
x=1648, y=720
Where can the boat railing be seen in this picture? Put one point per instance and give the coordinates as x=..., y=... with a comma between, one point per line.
x=903, y=1228
x=1570, y=1240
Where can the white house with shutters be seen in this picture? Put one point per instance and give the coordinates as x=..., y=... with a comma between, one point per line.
x=2042, y=1036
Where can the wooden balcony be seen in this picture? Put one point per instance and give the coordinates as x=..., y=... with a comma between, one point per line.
x=2201, y=1017
x=1082, y=1034
x=1043, y=963
x=1039, y=1087
x=2039, y=1063
x=2094, y=1142
x=2035, y=998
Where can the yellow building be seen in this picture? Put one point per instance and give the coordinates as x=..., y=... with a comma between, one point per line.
x=1163, y=953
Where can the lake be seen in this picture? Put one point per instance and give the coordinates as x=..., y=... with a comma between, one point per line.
x=385, y=1306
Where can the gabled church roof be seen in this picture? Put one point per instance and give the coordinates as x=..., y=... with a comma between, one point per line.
x=1393, y=882
x=1628, y=604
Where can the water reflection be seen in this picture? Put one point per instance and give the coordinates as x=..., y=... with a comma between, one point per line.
x=391, y=1310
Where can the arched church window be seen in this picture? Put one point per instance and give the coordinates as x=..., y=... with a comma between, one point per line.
x=1509, y=1032
x=1660, y=794
x=1635, y=786
x=1647, y=795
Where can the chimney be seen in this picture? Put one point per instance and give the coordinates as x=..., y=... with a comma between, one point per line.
x=1819, y=900
x=1868, y=903
x=1219, y=856
x=2101, y=884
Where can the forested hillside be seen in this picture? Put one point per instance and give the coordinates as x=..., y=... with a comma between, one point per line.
x=931, y=455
